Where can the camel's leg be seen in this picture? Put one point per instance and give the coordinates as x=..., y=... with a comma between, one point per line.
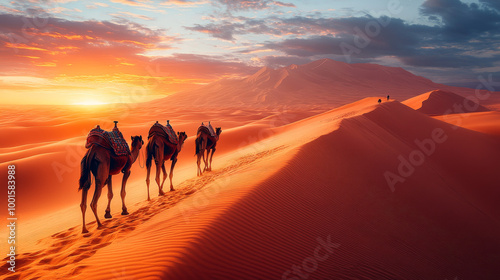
x=147, y=179
x=123, y=192
x=83, y=206
x=102, y=174
x=164, y=174
x=206, y=160
x=198, y=163
x=159, y=163
x=93, y=204
x=174, y=161
x=110, y=196
x=201, y=153
x=211, y=157
x=204, y=148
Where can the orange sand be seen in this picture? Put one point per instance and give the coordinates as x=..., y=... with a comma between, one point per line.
x=289, y=175
x=281, y=180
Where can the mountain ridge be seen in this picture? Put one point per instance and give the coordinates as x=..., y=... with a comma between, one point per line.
x=323, y=82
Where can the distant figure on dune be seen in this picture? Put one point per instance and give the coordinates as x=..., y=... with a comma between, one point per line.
x=387, y=97
x=206, y=139
x=108, y=154
x=379, y=101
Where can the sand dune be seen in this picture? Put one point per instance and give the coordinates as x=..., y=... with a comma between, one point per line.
x=485, y=122
x=48, y=147
x=334, y=187
x=440, y=102
x=318, y=182
x=289, y=175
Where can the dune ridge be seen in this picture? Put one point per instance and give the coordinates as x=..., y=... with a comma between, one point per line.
x=441, y=102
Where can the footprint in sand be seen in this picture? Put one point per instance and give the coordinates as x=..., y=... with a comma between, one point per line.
x=88, y=254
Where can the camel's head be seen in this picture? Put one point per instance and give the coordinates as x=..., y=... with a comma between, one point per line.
x=182, y=137
x=218, y=130
x=137, y=142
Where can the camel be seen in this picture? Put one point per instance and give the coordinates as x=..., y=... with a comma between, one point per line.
x=162, y=150
x=103, y=163
x=206, y=142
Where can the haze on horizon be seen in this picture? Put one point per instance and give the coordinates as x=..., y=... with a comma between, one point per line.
x=115, y=51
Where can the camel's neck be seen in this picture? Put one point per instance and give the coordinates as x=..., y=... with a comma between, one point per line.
x=179, y=147
x=134, y=154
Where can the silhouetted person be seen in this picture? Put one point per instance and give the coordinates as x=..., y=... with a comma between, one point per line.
x=387, y=97
x=379, y=101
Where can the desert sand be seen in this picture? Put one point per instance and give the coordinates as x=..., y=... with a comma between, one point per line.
x=296, y=192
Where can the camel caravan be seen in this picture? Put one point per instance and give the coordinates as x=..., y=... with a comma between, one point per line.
x=108, y=154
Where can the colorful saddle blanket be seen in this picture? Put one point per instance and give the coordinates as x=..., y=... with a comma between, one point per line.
x=207, y=128
x=112, y=140
x=165, y=131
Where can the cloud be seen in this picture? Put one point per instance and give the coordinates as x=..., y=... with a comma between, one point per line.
x=75, y=47
x=299, y=26
x=62, y=10
x=9, y=10
x=491, y=3
x=37, y=8
x=343, y=35
x=282, y=4
x=96, y=5
x=460, y=21
x=458, y=35
x=47, y=2
x=184, y=3
x=103, y=51
x=101, y=4
x=238, y=5
x=135, y=3
x=133, y=15
x=223, y=30
x=226, y=29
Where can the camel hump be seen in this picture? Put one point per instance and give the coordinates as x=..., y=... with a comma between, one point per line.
x=112, y=140
x=164, y=131
x=208, y=129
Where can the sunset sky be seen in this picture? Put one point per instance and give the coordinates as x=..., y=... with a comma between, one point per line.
x=108, y=51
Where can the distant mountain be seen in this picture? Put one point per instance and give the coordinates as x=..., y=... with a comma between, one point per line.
x=323, y=82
